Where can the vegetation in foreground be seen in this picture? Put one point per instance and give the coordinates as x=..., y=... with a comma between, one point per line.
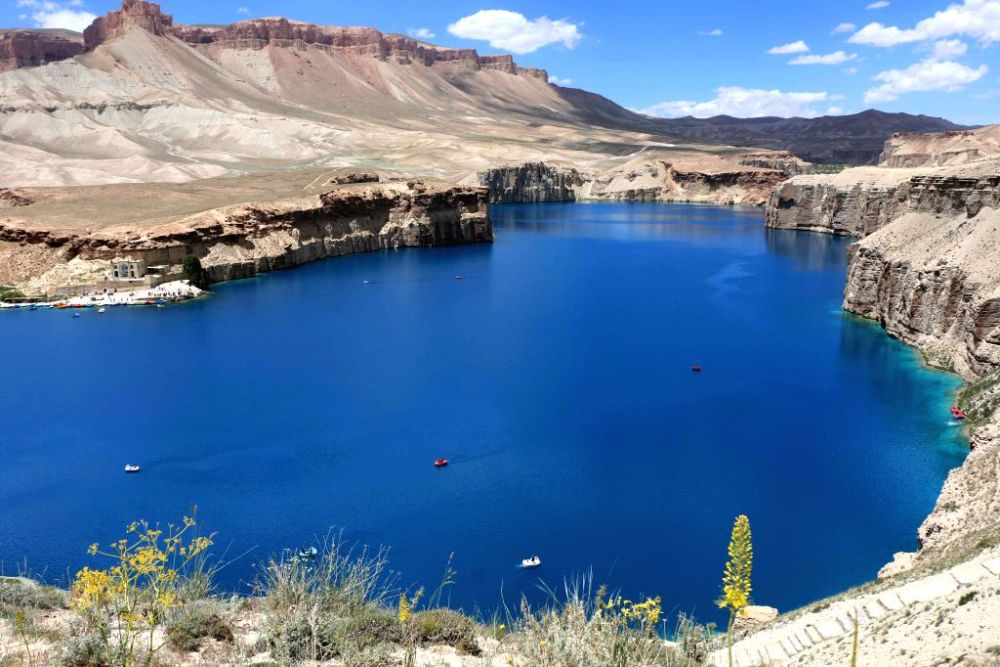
x=149, y=601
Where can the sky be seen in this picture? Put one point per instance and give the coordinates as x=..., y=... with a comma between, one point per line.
x=671, y=58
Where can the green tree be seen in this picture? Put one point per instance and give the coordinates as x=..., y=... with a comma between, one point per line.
x=736, y=579
x=194, y=272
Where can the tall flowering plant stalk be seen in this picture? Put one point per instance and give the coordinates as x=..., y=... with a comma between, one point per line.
x=736, y=585
x=144, y=579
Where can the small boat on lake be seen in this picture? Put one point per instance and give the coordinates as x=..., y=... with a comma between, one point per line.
x=440, y=463
x=102, y=310
x=458, y=277
x=131, y=468
x=76, y=314
x=695, y=368
x=529, y=563
x=958, y=413
x=308, y=553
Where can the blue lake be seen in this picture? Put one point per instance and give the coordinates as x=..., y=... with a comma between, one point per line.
x=555, y=377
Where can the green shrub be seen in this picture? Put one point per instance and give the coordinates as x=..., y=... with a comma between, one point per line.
x=370, y=628
x=8, y=292
x=444, y=626
x=24, y=594
x=193, y=623
x=86, y=651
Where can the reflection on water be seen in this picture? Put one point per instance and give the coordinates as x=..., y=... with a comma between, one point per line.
x=811, y=251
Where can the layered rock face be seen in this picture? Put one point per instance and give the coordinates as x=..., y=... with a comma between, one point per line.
x=533, y=182
x=858, y=202
x=928, y=270
x=942, y=148
x=641, y=179
x=20, y=48
x=779, y=161
x=242, y=240
x=144, y=15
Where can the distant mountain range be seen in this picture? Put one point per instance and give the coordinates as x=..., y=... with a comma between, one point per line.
x=855, y=139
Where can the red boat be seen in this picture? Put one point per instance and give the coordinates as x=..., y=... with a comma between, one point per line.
x=957, y=412
x=695, y=368
x=440, y=463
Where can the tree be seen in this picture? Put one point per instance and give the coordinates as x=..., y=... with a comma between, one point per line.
x=194, y=272
x=736, y=579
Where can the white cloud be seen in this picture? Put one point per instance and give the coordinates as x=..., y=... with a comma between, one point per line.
x=559, y=82
x=850, y=71
x=49, y=14
x=514, y=32
x=844, y=27
x=717, y=32
x=979, y=19
x=947, y=49
x=744, y=103
x=835, y=111
x=835, y=58
x=881, y=4
x=421, y=33
x=925, y=76
x=791, y=47
x=245, y=11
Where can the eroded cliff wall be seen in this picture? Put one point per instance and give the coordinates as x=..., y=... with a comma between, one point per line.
x=242, y=240
x=642, y=179
x=927, y=268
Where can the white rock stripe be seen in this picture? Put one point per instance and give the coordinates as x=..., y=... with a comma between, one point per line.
x=779, y=645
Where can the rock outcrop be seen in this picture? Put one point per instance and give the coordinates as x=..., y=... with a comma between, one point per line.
x=137, y=13
x=779, y=161
x=241, y=240
x=940, y=149
x=260, y=33
x=26, y=48
x=533, y=182
x=643, y=179
x=858, y=202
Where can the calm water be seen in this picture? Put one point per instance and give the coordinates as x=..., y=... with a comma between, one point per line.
x=555, y=377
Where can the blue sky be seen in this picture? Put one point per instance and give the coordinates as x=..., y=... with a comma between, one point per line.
x=673, y=58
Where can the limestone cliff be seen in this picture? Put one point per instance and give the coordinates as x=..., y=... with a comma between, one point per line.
x=941, y=148
x=644, y=178
x=240, y=240
x=532, y=182
x=859, y=201
x=928, y=270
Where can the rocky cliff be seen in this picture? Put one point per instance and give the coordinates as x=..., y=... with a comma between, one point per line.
x=942, y=148
x=645, y=178
x=533, y=182
x=928, y=270
x=240, y=240
x=260, y=33
x=134, y=13
x=24, y=48
x=860, y=201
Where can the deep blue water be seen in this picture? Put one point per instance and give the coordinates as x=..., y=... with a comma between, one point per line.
x=555, y=377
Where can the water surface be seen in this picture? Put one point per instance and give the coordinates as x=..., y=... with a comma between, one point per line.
x=554, y=376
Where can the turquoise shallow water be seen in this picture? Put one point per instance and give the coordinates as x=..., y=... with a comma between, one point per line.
x=556, y=379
